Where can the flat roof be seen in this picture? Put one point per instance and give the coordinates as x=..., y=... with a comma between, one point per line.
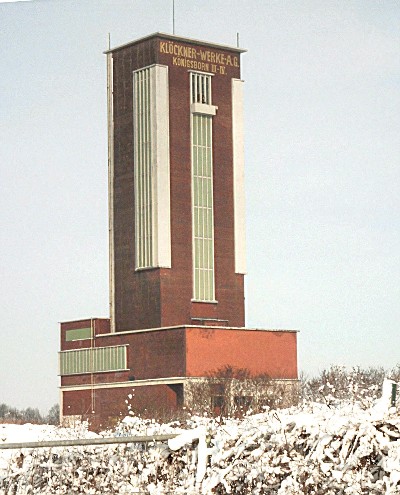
x=172, y=37
x=200, y=327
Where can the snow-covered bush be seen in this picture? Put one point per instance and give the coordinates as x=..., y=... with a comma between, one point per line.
x=231, y=391
x=307, y=449
x=361, y=385
x=336, y=445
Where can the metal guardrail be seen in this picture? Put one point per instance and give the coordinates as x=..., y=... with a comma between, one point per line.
x=86, y=441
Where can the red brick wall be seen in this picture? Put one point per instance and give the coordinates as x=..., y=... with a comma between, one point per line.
x=109, y=405
x=273, y=353
x=100, y=326
x=156, y=354
x=137, y=294
x=77, y=403
x=179, y=352
x=155, y=298
x=177, y=285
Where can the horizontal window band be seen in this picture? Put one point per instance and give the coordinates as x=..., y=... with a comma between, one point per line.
x=93, y=360
x=78, y=334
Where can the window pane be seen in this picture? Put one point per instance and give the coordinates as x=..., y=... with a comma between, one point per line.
x=142, y=170
x=93, y=360
x=203, y=235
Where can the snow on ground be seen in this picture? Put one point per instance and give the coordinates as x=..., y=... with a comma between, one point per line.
x=309, y=449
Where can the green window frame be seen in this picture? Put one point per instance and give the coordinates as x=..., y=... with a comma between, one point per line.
x=78, y=334
x=202, y=209
x=93, y=360
x=200, y=88
x=143, y=170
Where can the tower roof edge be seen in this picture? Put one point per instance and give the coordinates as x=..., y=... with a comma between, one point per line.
x=172, y=37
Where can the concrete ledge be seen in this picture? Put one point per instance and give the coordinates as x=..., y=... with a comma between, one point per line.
x=129, y=383
x=209, y=327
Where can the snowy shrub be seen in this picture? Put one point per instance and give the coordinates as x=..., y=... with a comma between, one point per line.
x=231, y=391
x=308, y=449
x=352, y=384
x=337, y=443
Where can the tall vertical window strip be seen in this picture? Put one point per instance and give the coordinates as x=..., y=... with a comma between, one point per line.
x=203, y=216
x=143, y=172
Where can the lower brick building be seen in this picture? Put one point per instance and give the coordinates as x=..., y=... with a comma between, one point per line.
x=153, y=367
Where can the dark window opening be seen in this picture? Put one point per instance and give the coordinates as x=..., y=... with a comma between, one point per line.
x=178, y=390
x=243, y=401
x=218, y=404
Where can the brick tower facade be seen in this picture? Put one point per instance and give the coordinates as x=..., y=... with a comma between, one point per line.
x=177, y=236
x=173, y=171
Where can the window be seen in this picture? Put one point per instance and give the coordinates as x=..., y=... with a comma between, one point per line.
x=218, y=389
x=217, y=402
x=200, y=88
x=93, y=360
x=78, y=334
x=143, y=170
x=243, y=401
x=203, y=214
x=152, y=237
x=202, y=188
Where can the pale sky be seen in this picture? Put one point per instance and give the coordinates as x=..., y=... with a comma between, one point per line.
x=322, y=120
